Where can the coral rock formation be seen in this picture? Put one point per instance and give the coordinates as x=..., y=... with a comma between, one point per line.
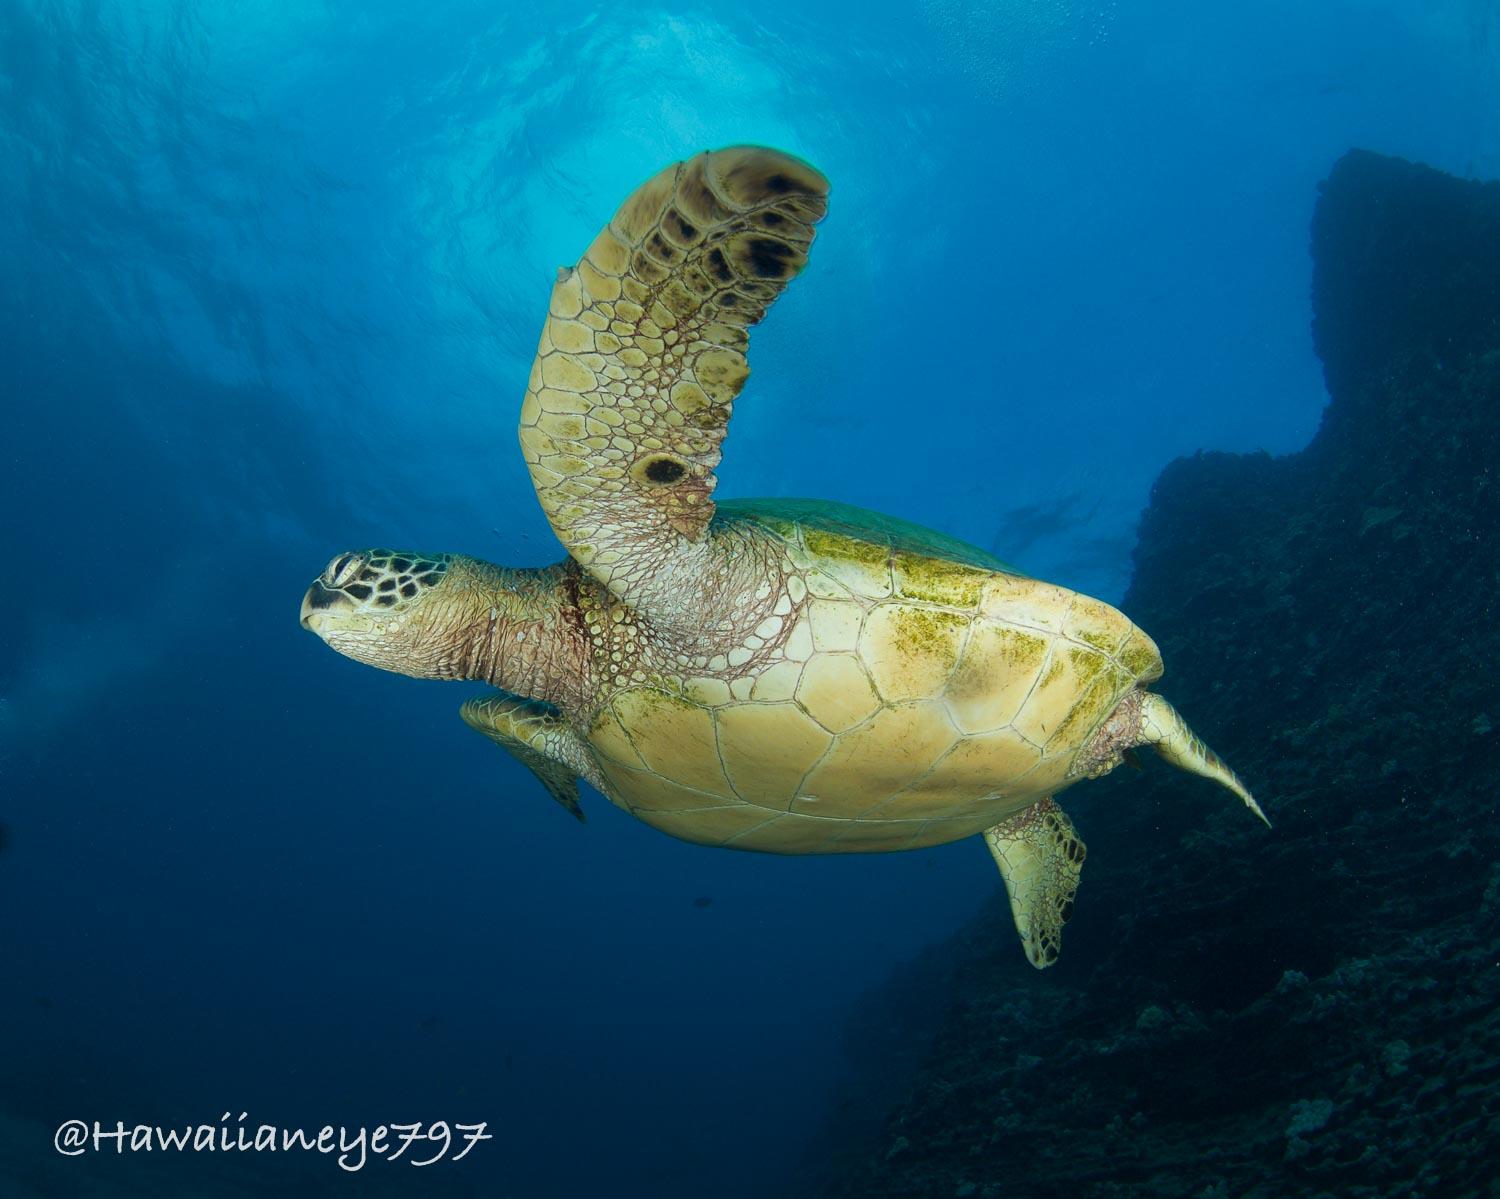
x=1314, y=1011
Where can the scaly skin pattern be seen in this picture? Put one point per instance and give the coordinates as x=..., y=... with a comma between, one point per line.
x=640, y=359
x=446, y=616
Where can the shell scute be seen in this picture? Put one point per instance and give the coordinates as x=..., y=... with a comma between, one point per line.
x=1140, y=657
x=1096, y=623
x=837, y=692
x=710, y=692
x=870, y=763
x=863, y=567
x=789, y=832
x=709, y=826
x=767, y=748
x=971, y=776
x=910, y=651
x=937, y=581
x=835, y=624
x=646, y=791
x=857, y=836
x=1025, y=603
x=1092, y=706
x=674, y=738
x=1078, y=686
x=778, y=681
x=996, y=673
x=608, y=737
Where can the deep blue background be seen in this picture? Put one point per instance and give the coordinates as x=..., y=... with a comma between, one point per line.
x=271, y=276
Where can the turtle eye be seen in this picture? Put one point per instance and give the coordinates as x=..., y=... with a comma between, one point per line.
x=342, y=569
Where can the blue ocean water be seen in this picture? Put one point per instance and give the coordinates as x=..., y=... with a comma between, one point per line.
x=273, y=276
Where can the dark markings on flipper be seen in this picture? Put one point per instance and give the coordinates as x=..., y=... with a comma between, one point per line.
x=664, y=470
x=771, y=259
x=675, y=225
x=720, y=265
x=1040, y=857
x=648, y=335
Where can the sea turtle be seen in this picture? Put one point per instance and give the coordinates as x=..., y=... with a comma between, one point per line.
x=790, y=676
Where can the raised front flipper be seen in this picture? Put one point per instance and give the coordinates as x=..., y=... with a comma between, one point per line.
x=1040, y=858
x=643, y=354
x=535, y=734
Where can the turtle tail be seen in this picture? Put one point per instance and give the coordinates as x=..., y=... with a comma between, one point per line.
x=1167, y=733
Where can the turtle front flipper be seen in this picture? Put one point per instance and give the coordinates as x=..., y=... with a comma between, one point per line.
x=643, y=353
x=539, y=738
x=1040, y=858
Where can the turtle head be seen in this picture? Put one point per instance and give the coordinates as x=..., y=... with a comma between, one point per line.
x=389, y=609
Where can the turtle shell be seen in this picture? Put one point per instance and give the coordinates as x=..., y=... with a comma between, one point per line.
x=925, y=692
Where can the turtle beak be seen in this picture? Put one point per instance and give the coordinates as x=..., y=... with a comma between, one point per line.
x=317, y=600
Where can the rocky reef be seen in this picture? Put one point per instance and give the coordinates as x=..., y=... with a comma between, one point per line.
x=1313, y=1011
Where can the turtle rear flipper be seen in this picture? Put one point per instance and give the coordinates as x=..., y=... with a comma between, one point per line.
x=535, y=734
x=1040, y=858
x=1167, y=733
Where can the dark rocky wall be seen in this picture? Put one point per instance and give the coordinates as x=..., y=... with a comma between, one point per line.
x=1310, y=1011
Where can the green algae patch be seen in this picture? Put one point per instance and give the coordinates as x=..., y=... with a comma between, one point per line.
x=843, y=548
x=1141, y=660
x=1087, y=665
x=921, y=633
x=861, y=524
x=1091, y=708
x=1022, y=649
x=1098, y=640
x=937, y=581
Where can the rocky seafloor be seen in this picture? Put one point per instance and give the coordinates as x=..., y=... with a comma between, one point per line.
x=1311, y=1011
